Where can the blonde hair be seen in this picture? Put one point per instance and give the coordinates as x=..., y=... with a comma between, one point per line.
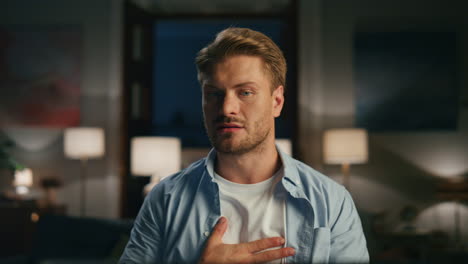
x=243, y=41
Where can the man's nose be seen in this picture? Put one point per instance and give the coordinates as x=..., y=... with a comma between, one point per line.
x=230, y=105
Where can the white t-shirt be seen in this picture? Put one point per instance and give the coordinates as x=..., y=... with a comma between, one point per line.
x=254, y=211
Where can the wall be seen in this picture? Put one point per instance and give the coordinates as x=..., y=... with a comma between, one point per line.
x=42, y=148
x=403, y=167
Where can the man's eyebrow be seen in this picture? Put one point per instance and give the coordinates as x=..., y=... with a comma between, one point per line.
x=239, y=85
x=246, y=83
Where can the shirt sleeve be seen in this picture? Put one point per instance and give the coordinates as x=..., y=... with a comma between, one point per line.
x=145, y=244
x=348, y=243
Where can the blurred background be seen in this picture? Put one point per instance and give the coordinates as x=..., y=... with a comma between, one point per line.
x=81, y=80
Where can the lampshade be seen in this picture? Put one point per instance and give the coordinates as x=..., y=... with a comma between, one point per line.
x=155, y=155
x=23, y=177
x=345, y=146
x=285, y=145
x=84, y=142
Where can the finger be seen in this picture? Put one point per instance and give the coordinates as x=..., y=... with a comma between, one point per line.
x=262, y=244
x=218, y=231
x=273, y=254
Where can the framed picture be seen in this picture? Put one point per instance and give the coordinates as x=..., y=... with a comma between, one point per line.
x=40, y=75
x=406, y=81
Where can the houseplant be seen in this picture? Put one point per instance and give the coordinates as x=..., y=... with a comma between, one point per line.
x=8, y=165
x=6, y=161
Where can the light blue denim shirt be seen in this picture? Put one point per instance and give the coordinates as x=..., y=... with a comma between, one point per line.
x=176, y=219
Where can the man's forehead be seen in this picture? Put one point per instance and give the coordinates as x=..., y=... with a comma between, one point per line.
x=240, y=69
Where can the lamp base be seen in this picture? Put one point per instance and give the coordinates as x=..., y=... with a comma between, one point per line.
x=345, y=167
x=153, y=182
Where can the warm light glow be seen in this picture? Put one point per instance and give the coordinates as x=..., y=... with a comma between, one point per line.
x=345, y=146
x=443, y=217
x=449, y=167
x=33, y=138
x=23, y=177
x=285, y=145
x=84, y=142
x=22, y=190
x=159, y=156
x=437, y=154
x=35, y=217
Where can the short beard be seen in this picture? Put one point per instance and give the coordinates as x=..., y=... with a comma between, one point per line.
x=249, y=145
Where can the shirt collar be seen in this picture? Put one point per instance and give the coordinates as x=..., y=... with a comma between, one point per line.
x=290, y=170
x=210, y=162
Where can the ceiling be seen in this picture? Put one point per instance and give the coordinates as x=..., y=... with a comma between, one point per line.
x=213, y=6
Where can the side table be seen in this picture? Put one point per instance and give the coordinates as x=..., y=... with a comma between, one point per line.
x=18, y=224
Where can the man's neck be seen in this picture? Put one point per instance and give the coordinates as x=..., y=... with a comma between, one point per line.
x=248, y=168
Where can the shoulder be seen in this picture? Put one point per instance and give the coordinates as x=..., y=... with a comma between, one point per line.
x=324, y=194
x=180, y=181
x=315, y=182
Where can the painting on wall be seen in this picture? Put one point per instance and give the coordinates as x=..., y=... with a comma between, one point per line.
x=406, y=81
x=40, y=75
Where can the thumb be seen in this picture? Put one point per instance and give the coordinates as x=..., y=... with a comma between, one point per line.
x=218, y=232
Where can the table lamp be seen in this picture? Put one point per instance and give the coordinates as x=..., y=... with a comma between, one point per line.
x=83, y=143
x=23, y=181
x=345, y=146
x=157, y=157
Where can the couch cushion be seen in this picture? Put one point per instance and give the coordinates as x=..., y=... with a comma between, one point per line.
x=72, y=237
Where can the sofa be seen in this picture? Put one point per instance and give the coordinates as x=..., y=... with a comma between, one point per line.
x=67, y=240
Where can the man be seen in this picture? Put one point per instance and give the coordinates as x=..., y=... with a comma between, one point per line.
x=247, y=202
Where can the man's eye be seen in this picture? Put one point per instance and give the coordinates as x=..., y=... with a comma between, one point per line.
x=246, y=93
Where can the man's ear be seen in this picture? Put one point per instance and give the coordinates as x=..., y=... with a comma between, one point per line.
x=278, y=100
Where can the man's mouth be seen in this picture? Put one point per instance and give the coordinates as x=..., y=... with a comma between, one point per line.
x=228, y=127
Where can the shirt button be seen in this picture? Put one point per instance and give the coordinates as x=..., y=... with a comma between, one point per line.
x=207, y=234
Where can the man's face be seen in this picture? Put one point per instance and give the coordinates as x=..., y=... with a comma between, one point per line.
x=238, y=105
